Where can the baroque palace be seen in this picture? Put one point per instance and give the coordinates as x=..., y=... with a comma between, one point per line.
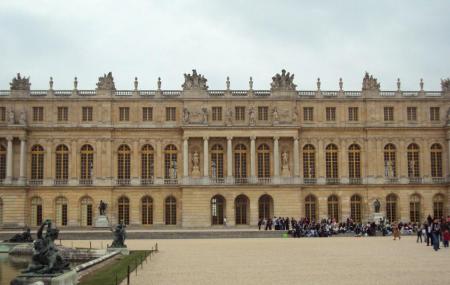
x=194, y=156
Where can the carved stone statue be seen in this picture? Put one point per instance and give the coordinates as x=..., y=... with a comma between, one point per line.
x=25, y=236
x=250, y=83
x=194, y=81
x=213, y=169
x=411, y=165
x=283, y=81
x=204, y=115
x=421, y=84
x=376, y=206
x=228, y=83
x=252, y=116
x=23, y=117
x=341, y=84
x=285, y=172
x=119, y=236
x=159, y=83
x=370, y=83
x=275, y=116
x=186, y=115
x=106, y=82
x=398, y=84
x=11, y=117
x=102, y=208
x=75, y=83
x=318, y=84
x=20, y=83
x=173, y=169
x=445, y=85
x=50, y=83
x=195, y=164
x=229, y=117
x=136, y=84
x=389, y=169
x=294, y=114
x=46, y=258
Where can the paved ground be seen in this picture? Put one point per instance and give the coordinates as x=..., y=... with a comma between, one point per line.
x=334, y=261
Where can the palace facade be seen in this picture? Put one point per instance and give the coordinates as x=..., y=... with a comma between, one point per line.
x=191, y=157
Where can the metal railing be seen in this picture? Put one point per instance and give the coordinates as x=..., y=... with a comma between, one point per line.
x=332, y=180
x=415, y=180
x=355, y=180
x=60, y=181
x=241, y=180
x=147, y=181
x=310, y=180
x=85, y=181
x=391, y=180
x=438, y=180
x=123, y=181
x=264, y=180
x=35, y=182
x=170, y=181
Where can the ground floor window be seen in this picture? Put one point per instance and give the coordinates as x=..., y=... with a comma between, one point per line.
x=265, y=207
x=438, y=206
x=217, y=210
x=311, y=208
x=241, y=210
x=355, y=208
x=147, y=210
x=124, y=210
x=86, y=212
x=171, y=211
x=333, y=208
x=36, y=211
x=414, y=209
x=391, y=208
x=61, y=211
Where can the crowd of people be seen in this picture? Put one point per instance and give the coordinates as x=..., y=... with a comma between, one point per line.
x=433, y=232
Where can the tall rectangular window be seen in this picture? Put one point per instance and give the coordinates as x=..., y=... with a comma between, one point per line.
x=171, y=114
x=217, y=113
x=388, y=114
x=411, y=113
x=308, y=114
x=124, y=114
x=353, y=114
x=2, y=114
x=86, y=114
x=239, y=113
x=147, y=114
x=330, y=114
x=38, y=114
x=434, y=114
x=263, y=113
x=63, y=114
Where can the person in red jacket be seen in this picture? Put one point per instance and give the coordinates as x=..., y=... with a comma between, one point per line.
x=446, y=237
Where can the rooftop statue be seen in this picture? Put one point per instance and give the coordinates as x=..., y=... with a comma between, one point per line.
x=445, y=85
x=25, y=236
x=106, y=82
x=119, y=236
x=46, y=258
x=283, y=81
x=20, y=83
x=370, y=83
x=194, y=81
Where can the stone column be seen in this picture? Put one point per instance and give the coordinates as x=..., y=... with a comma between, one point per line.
x=229, y=159
x=276, y=158
x=205, y=157
x=448, y=158
x=252, y=158
x=186, y=157
x=9, y=160
x=23, y=157
x=296, y=158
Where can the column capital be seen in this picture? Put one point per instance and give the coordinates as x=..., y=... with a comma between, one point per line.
x=23, y=138
x=205, y=138
x=9, y=138
x=276, y=138
x=295, y=138
x=253, y=138
x=229, y=138
x=185, y=138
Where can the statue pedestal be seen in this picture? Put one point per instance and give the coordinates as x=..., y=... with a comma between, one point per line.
x=285, y=172
x=196, y=171
x=376, y=217
x=101, y=222
x=67, y=278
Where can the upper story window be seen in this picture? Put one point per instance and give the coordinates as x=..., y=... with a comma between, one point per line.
x=124, y=114
x=147, y=114
x=38, y=114
x=388, y=114
x=263, y=113
x=434, y=114
x=353, y=114
x=330, y=113
x=411, y=113
x=2, y=114
x=87, y=113
x=239, y=113
x=308, y=114
x=217, y=113
x=171, y=113
x=63, y=114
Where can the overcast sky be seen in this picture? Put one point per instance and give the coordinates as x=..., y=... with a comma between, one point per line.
x=328, y=39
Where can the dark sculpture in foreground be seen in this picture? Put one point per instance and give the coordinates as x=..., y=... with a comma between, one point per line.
x=46, y=258
x=119, y=236
x=102, y=207
x=25, y=236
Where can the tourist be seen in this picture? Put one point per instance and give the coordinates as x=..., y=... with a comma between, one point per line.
x=396, y=231
x=224, y=221
x=435, y=232
x=446, y=237
x=260, y=223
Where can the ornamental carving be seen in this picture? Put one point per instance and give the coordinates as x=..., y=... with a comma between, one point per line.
x=106, y=82
x=194, y=81
x=195, y=115
x=370, y=83
x=445, y=85
x=283, y=81
x=20, y=83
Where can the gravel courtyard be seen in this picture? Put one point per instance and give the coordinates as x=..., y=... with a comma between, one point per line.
x=345, y=260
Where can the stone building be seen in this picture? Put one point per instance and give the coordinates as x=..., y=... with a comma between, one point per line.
x=191, y=157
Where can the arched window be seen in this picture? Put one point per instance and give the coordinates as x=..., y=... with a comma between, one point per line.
x=36, y=211
x=333, y=208
x=62, y=164
x=1, y=211
x=217, y=210
x=356, y=208
x=86, y=211
x=240, y=163
x=263, y=161
x=241, y=205
x=87, y=164
x=354, y=161
x=147, y=210
x=123, y=164
x=171, y=210
x=413, y=160
x=61, y=211
x=438, y=206
x=311, y=208
x=2, y=162
x=391, y=208
x=124, y=210
x=265, y=207
x=309, y=161
x=436, y=160
x=217, y=161
x=37, y=164
x=331, y=159
x=170, y=163
x=390, y=162
x=147, y=167
x=414, y=209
